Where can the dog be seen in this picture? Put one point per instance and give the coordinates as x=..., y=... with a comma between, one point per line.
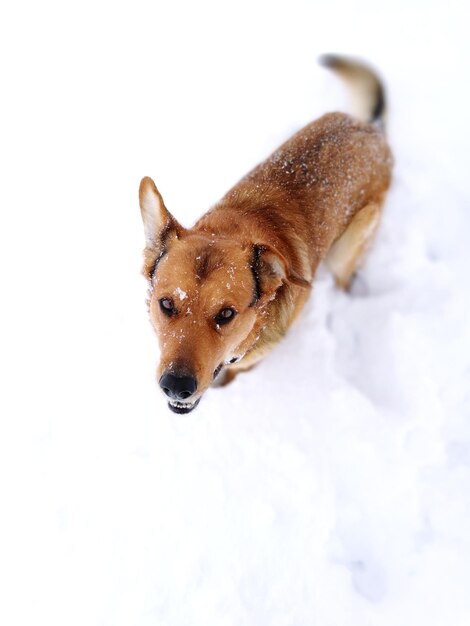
x=225, y=291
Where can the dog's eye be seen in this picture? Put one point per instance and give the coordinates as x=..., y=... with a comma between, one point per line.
x=167, y=306
x=225, y=315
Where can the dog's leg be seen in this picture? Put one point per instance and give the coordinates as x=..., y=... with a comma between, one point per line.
x=228, y=375
x=224, y=378
x=347, y=251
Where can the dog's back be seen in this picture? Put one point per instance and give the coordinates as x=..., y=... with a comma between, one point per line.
x=327, y=172
x=304, y=196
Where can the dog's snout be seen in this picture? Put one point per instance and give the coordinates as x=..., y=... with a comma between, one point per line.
x=178, y=387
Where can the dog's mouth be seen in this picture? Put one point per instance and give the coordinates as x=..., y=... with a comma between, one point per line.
x=182, y=407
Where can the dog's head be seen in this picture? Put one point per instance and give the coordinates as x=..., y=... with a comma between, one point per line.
x=208, y=297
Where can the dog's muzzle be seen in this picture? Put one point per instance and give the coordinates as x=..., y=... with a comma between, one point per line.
x=179, y=389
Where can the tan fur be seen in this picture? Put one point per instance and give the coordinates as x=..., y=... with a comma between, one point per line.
x=347, y=251
x=317, y=197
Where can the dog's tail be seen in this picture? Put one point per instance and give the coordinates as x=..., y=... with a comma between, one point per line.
x=367, y=90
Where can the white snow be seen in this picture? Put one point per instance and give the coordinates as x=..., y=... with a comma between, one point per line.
x=330, y=485
x=180, y=293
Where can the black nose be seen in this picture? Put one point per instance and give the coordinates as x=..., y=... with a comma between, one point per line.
x=178, y=387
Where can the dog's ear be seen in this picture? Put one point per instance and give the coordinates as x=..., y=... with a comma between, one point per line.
x=159, y=225
x=271, y=270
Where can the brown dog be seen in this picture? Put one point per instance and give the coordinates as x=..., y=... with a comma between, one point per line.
x=224, y=292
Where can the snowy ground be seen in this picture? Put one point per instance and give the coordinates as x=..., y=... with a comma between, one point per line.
x=330, y=486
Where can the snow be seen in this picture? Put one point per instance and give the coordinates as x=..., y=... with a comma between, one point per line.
x=330, y=485
x=182, y=295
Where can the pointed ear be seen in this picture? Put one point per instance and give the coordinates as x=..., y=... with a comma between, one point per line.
x=271, y=270
x=159, y=224
x=155, y=215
